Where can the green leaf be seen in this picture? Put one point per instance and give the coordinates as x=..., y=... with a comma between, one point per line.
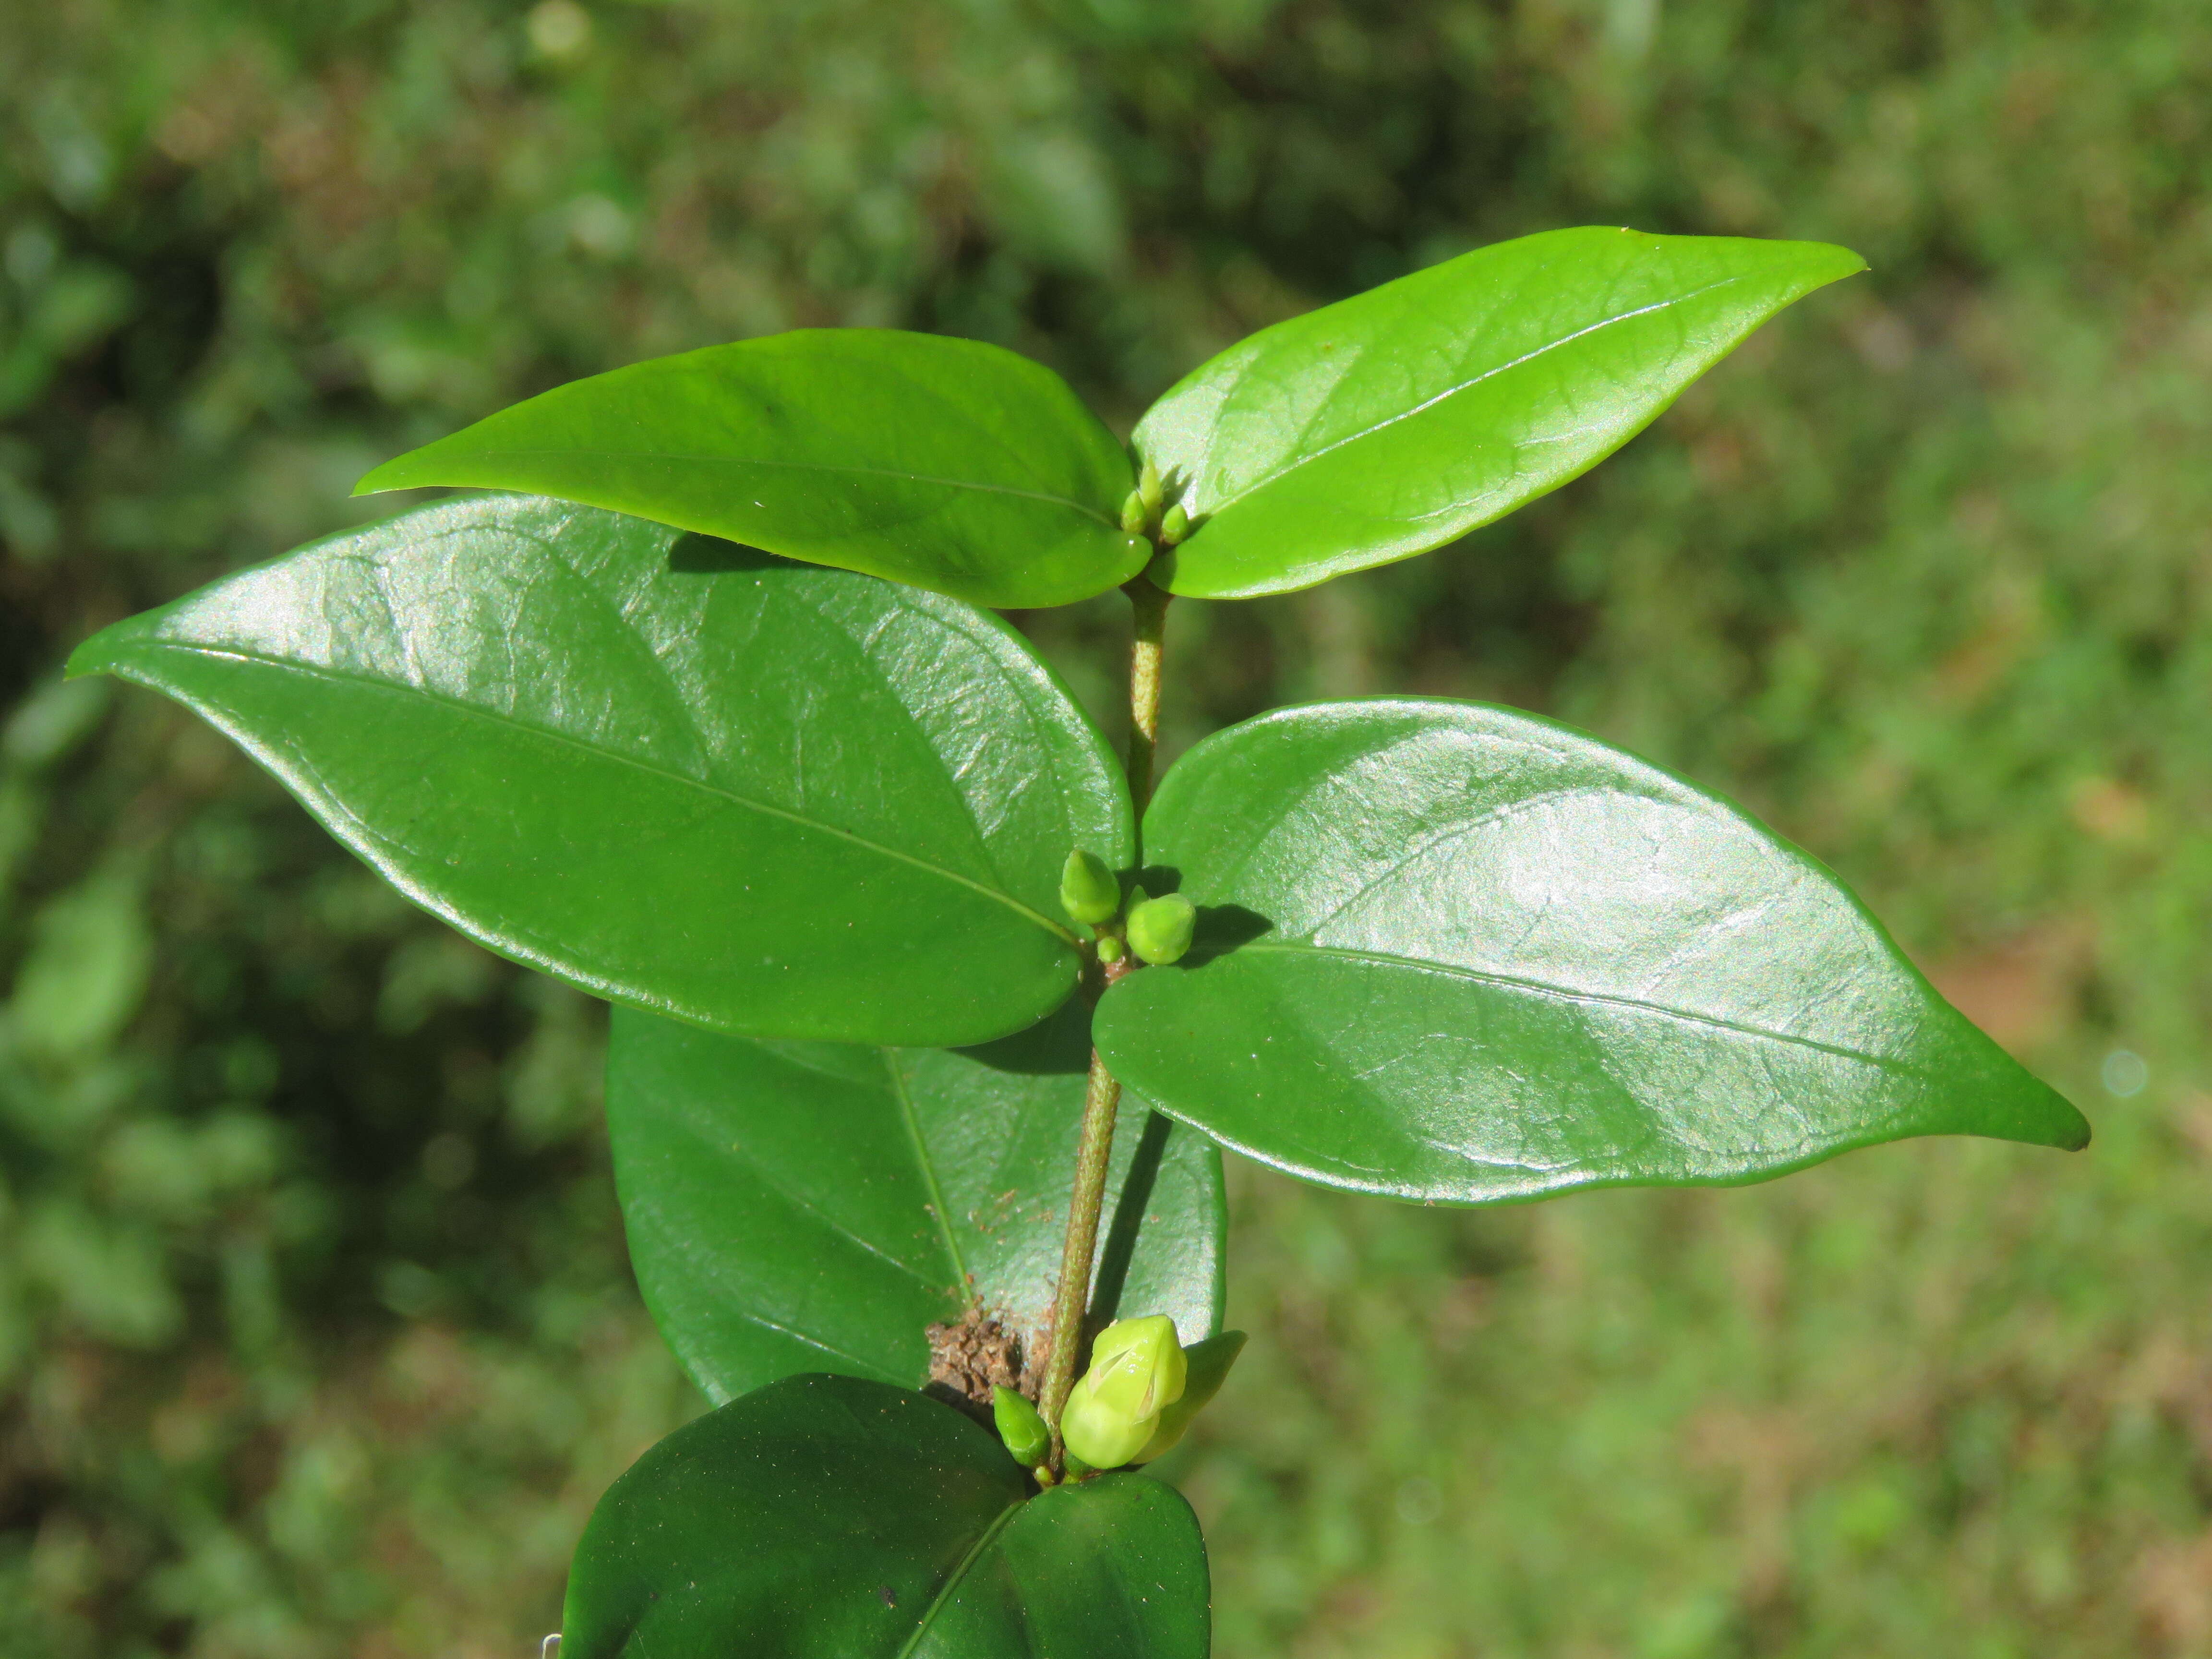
x=761, y=796
x=826, y=1518
x=1396, y=420
x=1456, y=953
x=947, y=464
x=1114, y=1567
x=797, y=1206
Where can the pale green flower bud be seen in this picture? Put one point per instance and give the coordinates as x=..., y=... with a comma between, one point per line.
x=1160, y=928
x=1208, y=1364
x=1137, y=1371
x=1175, y=525
x=1088, y=890
x=1110, y=950
x=1150, y=489
x=1020, y=1427
x=1134, y=517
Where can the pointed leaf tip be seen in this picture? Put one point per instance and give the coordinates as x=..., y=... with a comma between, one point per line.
x=1504, y=959
x=611, y=815
x=1398, y=420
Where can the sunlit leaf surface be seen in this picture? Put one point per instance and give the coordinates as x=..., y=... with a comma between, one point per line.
x=1454, y=953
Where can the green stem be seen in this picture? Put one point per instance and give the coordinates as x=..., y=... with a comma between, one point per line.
x=1103, y=1096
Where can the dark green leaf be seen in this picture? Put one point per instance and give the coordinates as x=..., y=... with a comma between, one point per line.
x=762, y=796
x=947, y=464
x=815, y=1206
x=825, y=1517
x=1472, y=955
x=1114, y=1567
x=1391, y=423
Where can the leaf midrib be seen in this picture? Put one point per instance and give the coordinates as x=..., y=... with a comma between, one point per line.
x=961, y=1287
x=797, y=466
x=959, y=1576
x=1565, y=994
x=492, y=716
x=1452, y=392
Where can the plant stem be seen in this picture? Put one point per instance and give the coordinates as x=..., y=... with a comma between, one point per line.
x=1103, y=1096
x=1150, y=605
x=1093, y=1152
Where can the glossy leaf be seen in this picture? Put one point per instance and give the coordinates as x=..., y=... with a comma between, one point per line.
x=762, y=796
x=1114, y=1567
x=816, y=1207
x=1456, y=953
x=1396, y=420
x=948, y=464
x=826, y=1518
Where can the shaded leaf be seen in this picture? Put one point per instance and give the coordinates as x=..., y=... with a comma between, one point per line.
x=1486, y=956
x=815, y=1206
x=1115, y=1566
x=761, y=796
x=826, y=1518
x=1400, y=419
x=951, y=464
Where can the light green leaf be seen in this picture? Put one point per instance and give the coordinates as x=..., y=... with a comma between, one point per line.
x=816, y=1207
x=1455, y=953
x=760, y=796
x=946, y=464
x=826, y=1518
x=1396, y=420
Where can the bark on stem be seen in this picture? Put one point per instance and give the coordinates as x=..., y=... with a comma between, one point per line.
x=1094, y=1150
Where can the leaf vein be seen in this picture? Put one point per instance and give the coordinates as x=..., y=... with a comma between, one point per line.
x=944, y=1217
x=1569, y=993
x=808, y=1207
x=797, y=467
x=601, y=752
x=952, y=1584
x=1451, y=392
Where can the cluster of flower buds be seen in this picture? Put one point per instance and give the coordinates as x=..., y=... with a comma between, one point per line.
x=1140, y=512
x=1157, y=929
x=1141, y=1392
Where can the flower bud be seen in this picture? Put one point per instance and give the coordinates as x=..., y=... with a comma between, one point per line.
x=1020, y=1427
x=1110, y=950
x=1088, y=890
x=1160, y=928
x=1137, y=1371
x=1149, y=490
x=1208, y=1364
x=1133, y=515
x=1175, y=525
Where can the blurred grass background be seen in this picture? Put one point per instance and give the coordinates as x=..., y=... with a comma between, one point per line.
x=316, y=1334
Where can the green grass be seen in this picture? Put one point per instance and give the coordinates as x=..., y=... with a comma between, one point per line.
x=315, y=1332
